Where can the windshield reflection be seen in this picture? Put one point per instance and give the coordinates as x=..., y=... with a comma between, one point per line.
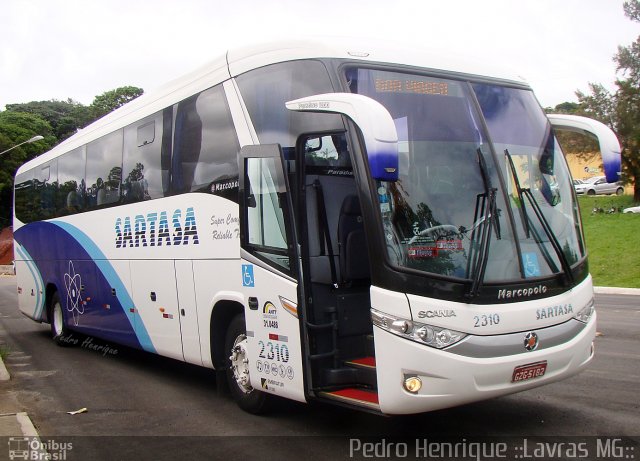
x=440, y=216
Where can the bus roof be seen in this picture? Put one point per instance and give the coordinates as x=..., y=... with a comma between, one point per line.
x=240, y=60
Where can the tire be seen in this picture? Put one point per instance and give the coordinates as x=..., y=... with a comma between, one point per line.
x=249, y=399
x=591, y=192
x=619, y=191
x=59, y=332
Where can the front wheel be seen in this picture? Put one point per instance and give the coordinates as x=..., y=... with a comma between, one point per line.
x=249, y=399
x=619, y=191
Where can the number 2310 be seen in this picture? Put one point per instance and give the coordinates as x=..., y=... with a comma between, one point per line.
x=271, y=351
x=486, y=320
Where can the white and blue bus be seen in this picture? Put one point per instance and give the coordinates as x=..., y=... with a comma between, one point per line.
x=383, y=229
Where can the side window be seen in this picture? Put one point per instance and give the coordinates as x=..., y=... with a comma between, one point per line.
x=205, y=146
x=104, y=170
x=264, y=216
x=71, y=184
x=24, y=197
x=146, y=158
x=266, y=90
x=46, y=184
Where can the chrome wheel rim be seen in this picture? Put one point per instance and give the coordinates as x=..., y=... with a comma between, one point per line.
x=240, y=364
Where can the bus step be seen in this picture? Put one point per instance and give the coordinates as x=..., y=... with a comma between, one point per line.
x=361, y=397
x=349, y=375
x=363, y=362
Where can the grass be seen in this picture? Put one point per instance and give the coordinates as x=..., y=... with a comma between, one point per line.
x=613, y=240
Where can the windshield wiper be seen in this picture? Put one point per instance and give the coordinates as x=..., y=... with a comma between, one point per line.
x=523, y=211
x=546, y=227
x=487, y=202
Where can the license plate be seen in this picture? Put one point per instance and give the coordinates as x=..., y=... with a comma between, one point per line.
x=529, y=371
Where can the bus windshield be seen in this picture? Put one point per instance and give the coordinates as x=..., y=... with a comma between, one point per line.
x=484, y=192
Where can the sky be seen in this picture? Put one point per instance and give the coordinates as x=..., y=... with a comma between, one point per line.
x=78, y=49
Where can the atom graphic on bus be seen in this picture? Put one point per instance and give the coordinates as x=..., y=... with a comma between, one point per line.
x=73, y=283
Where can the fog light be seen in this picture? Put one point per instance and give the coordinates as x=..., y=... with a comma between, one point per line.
x=413, y=384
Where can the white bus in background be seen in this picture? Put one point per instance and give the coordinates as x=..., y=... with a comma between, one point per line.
x=382, y=229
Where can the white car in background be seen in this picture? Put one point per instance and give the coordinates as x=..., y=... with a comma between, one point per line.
x=598, y=185
x=633, y=209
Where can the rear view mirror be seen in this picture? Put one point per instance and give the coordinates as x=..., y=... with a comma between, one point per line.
x=313, y=145
x=546, y=163
x=609, y=145
x=375, y=123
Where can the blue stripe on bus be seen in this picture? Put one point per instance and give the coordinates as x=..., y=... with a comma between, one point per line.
x=97, y=311
x=112, y=278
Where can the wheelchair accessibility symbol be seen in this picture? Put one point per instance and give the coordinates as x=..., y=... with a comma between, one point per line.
x=531, y=265
x=247, y=275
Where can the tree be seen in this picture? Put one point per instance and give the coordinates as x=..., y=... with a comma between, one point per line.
x=65, y=117
x=627, y=108
x=621, y=110
x=56, y=121
x=111, y=100
x=571, y=142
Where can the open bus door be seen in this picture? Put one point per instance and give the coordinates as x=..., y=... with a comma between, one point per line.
x=271, y=351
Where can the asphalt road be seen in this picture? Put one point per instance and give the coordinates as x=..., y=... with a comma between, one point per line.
x=147, y=407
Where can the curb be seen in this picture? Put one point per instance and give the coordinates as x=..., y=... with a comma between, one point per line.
x=16, y=424
x=28, y=429
x=36, y=450
x=616, y=291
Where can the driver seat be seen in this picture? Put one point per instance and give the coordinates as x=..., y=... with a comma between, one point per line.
x=354, y=256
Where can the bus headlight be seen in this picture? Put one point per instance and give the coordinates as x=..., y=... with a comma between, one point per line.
x=585, y=314
x=430, y=335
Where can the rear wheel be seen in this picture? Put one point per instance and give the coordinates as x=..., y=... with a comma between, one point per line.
x=249, y=399
x=59, y=331
x=619, y=191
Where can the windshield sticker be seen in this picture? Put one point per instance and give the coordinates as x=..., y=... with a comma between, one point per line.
x=531, y=265
x=433, y=248
x=451, y=245
x=422, y=252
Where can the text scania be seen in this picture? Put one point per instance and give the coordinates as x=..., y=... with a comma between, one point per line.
x=522, y=292
x=154, y=229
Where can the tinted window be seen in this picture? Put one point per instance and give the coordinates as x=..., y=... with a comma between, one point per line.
x=266, y=90
x=24, y=197
x=205, y=146
x=46, y=185
x=71, y=184
x=104, y=170
x=147, y=149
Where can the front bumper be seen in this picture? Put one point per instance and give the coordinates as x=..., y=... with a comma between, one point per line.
x=452, y=379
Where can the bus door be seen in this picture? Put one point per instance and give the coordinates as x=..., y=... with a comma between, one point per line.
x=270, y=271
